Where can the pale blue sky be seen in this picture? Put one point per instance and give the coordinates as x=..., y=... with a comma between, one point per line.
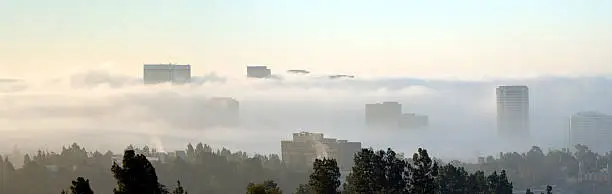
x=464, y=38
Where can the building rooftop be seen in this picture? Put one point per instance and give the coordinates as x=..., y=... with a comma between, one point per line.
x=591, y=114
x=513, y=86
x=166, y=66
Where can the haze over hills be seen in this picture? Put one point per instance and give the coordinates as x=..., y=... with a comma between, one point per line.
x=94, y=106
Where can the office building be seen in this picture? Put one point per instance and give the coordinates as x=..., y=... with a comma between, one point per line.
x=305, y=147
x=226, y=111
x=258, y=72
x=513, y=111
x=592, y=129
x=386, y=114
x=166, y=73
x=413, y=121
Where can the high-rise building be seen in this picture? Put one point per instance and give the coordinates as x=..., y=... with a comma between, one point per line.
x=592, y=129
x=305, y=147
x=513, y=111
x=386, y=114
x=258, y=72
x=166, y=73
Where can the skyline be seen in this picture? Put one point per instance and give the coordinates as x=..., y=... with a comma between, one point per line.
x=90, y=106
x=395, y=38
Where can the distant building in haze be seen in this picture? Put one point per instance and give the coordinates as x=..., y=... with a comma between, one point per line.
x=389, y=115
x=386, y=114
x=305, y=147
x=513, y=111
x=298, y=71
x=166, y=73
x=592, y=129
x=258, y=72
x=227, y=111
x=412, y=120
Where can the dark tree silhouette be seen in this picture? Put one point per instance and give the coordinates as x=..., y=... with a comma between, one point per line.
x=395, y=169
x=452, y=179
x=136, y=176
x=304, y=189
x=422, y=173
x=376, y=172
x=325, y=177
x=80, y=186
x=268, y=187
x=179, y=189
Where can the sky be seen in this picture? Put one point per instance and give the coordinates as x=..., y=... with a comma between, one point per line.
x=467, y=39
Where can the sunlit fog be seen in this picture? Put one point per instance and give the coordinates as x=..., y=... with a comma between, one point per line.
x=305, y=97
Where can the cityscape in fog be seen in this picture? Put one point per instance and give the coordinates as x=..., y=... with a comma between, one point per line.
x=168, y=106
x=342, y=96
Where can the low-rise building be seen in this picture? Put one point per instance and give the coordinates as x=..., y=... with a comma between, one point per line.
x=305, y=147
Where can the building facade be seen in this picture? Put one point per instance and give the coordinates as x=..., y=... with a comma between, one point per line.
x=166, y=73
x=258, y=72
x=386, y=114
x=513, y=111
x=226, y=110
x=305, y=147
x=592, y=129
x=412, y=121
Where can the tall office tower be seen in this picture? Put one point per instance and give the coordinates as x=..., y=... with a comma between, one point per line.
x=513, y=111
x=162, y=73
x=386, y=114
x=305, y=147
x=258, y=72
x=592, y=129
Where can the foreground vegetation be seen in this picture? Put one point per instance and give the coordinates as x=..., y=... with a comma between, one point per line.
x=206, y=171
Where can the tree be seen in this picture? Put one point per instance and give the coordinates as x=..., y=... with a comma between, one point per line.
x=190, y=153
x=549, y=189
x=267, y=187
x=304, y=189
x=395, y=169
x=136, y=175
x=452, y=179
x=179, y=189
x=325, y=177
x=80, y=186
x=499, y=183
x=422, y=173
x=368, y=175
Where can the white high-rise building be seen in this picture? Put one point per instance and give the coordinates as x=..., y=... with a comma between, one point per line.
x=513, y=111
x=162, y=73
x=593, y=129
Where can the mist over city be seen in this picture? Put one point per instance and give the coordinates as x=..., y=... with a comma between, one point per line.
x=89, y=106
x=305, y=97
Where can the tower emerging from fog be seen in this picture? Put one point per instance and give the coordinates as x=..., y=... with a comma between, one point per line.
x=593, y=129
x=166, y=73
x=258, y=72
x=513, y=111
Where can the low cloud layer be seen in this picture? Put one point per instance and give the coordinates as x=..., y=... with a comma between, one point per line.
x=103, y=110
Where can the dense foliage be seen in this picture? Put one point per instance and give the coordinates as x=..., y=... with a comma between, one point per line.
x=203, y=170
